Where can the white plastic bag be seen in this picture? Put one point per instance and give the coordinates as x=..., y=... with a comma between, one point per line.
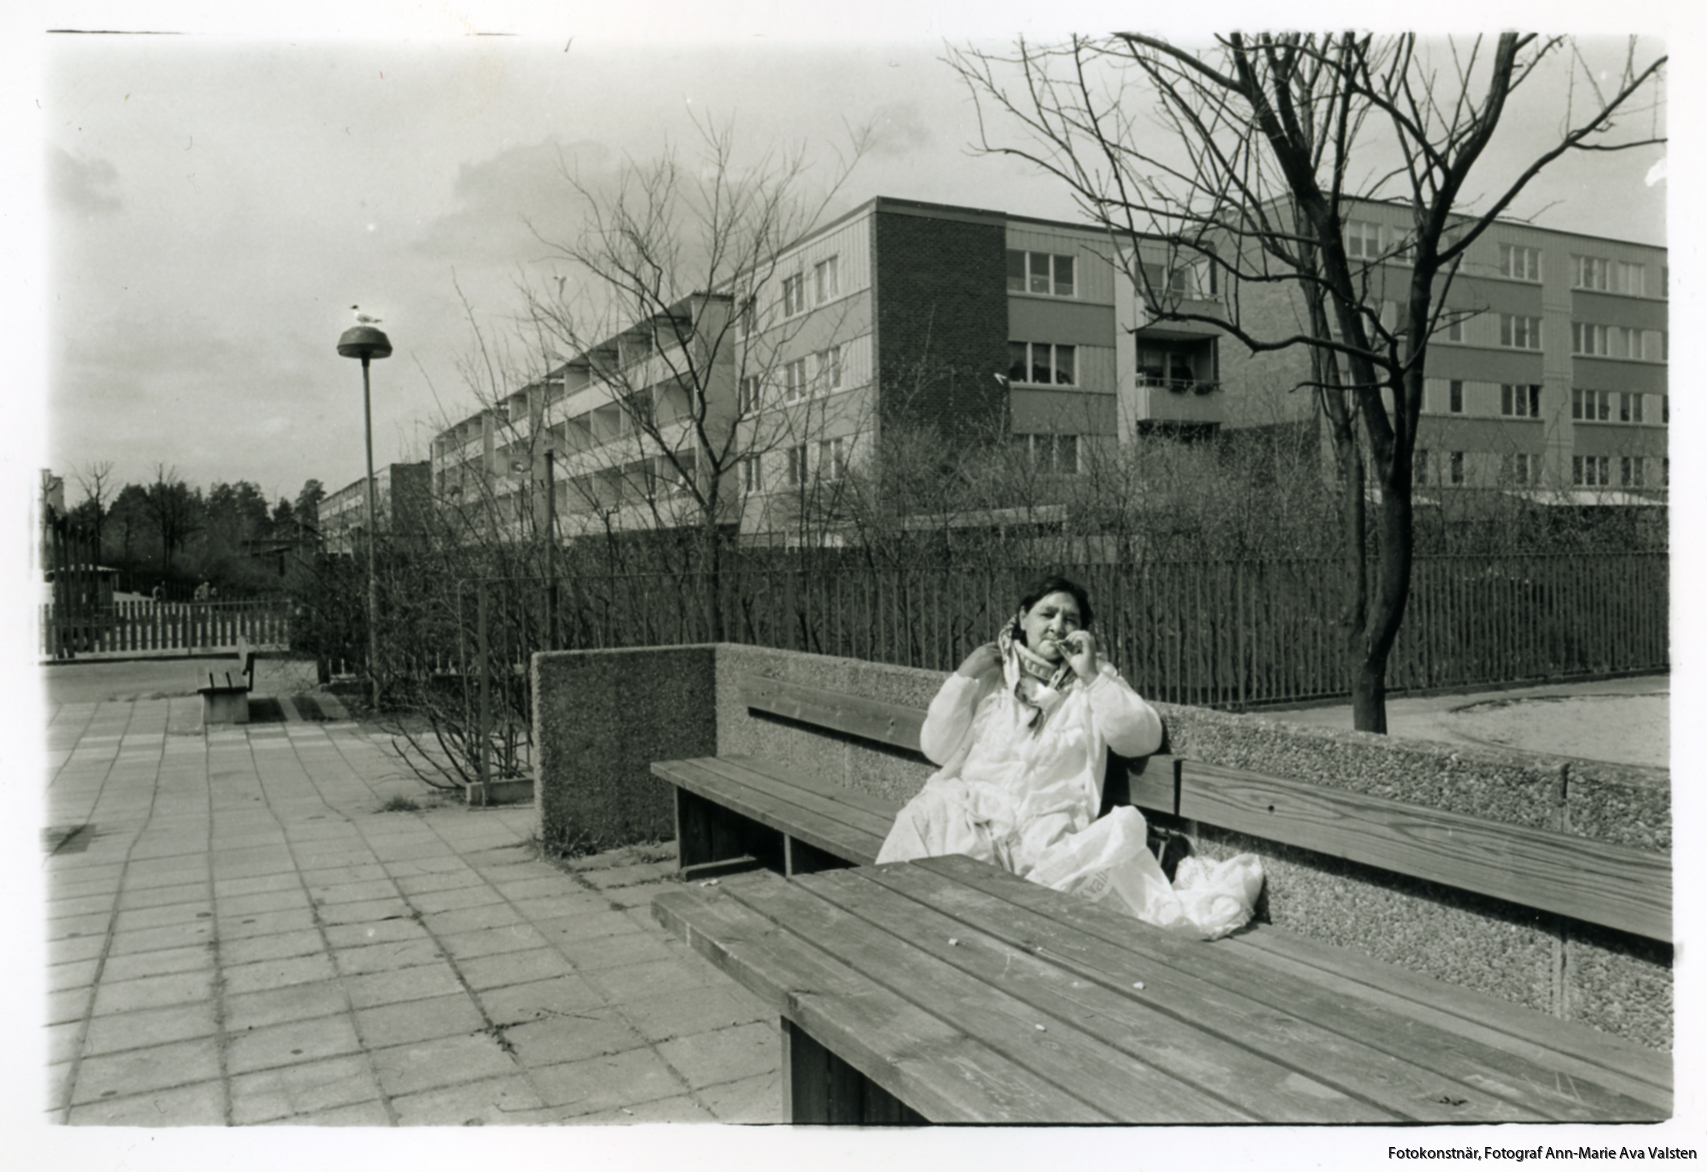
x=1207, y=899
x=1218, y=897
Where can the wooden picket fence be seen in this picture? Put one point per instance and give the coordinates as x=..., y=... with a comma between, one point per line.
x=122, y=628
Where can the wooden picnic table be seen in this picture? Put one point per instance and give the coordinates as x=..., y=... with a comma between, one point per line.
x=948, y=990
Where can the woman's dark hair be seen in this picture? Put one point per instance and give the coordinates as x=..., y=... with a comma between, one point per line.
x=1055, y=584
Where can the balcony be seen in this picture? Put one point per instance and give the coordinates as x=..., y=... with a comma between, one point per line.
x=1177, y=386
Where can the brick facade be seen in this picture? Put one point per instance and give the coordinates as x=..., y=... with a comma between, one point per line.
x=942, y=318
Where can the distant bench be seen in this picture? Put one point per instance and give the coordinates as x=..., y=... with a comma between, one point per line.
x=735, y=812
x=225, y=700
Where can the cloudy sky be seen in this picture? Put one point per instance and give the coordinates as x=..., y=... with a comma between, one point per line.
x=215, y=203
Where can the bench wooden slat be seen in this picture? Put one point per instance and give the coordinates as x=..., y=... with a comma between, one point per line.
x=786, y=787
x=1496, y=1071
x=1068, y=1052
x=799, y=814
x=1617, y=1063
x=1601, y=883
x=859, y=806
x=928, y=1064
x=1157, y=1030
x=892, y=724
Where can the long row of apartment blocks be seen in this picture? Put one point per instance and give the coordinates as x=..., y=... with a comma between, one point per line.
x=950, y=321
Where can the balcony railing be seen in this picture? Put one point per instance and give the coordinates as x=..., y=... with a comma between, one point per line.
x=1179, y=386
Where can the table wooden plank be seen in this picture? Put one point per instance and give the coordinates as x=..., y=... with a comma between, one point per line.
x=1525, y=1085
x=762, y=800
x=905, y=902
x=1576, y=1052
x=875, y=720
x=1220, y=1016
x=928, y=1064
x=1063, y=1052
x=1603, y=883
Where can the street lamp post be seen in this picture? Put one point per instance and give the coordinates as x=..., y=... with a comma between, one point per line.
x=367, y=343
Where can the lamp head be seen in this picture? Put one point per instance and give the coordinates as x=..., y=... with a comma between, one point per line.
x=364, y=342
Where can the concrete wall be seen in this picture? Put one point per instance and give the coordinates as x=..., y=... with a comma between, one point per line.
x=599, y=720
x=602, y=717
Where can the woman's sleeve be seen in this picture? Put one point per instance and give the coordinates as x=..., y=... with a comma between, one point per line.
x=1127, y=723
x=949, y=717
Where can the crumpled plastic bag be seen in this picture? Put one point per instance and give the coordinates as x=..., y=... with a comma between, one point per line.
x=1207, y=899
x=1218, y=897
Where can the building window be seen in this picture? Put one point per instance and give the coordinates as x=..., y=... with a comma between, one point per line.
x=1056, y=455
x=1419, y=466
x=1629, y=407
x=1455, y=330
x=1632, y=279
x=1362, y=240
x=796, y=466
x=748, y=399
x=1665, y=409
x=1665, y=471
x=1591, y=406
x=1630, y=471
x=1522, y=333
x=1591, y=471
x=1455, y=467
x=794, y=385
x=1042, y=363
x=752, y=475
x=1040, y=272
x=830, y=459
x=793, y=295
x=1455, y=396
x=1525, y=468
x=1520, y=400
x=826, y=281
x=1590, y=272
x=1520, y=264
x=829, y=368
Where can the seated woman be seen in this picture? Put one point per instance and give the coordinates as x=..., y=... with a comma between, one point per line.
x=1022, y=731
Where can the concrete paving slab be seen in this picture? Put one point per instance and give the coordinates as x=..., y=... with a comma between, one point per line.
x=420, y=1020
x=244, y=938
x=270, y=1095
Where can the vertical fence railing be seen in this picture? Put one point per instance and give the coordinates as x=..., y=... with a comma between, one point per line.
x=1213, y=633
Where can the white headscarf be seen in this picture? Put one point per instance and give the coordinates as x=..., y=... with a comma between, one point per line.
x=1036, y=682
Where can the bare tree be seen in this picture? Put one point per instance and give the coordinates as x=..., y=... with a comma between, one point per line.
x=678, y=307
x=174, y=509
x=1245, y=161
x=96, y=479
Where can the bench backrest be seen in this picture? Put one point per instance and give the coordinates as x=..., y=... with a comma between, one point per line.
x=1598, y=882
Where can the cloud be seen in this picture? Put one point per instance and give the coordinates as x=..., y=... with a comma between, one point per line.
x=899, y=129
x=84, y=186
x=497, y=199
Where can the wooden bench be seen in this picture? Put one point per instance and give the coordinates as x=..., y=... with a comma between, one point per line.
x=736, y=812
x=224, y=700
x=867, y=1043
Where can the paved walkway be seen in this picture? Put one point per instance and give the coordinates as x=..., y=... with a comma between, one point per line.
x=239, y=932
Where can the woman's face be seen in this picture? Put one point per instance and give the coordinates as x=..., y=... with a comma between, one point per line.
x=1051, y=618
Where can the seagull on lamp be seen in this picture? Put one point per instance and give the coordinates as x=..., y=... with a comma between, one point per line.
x=363, y=319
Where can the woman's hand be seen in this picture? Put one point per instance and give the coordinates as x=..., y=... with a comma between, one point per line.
x=983, y=660
x=1080, y=649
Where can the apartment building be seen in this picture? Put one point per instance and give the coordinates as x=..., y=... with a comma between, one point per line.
x=962, y=324
x=1547, y=378
x=402, y=501
x=957, y=323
